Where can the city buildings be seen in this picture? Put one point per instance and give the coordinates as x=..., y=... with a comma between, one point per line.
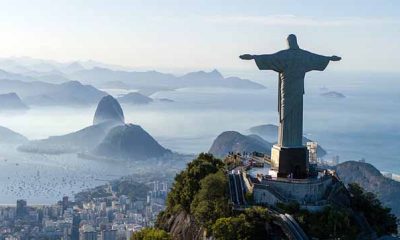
x=112, y=217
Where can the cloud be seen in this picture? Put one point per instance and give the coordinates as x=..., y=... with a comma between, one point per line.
x=301, y=21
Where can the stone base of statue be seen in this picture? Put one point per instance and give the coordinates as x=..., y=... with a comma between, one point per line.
x=289, y=161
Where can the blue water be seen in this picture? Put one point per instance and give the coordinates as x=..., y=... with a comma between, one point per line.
x=365, y=124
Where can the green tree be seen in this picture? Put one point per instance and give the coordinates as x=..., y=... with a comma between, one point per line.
x=211, y=202
x=232, y=228
x=248, y=225
x=257, y=217
x=380, y=218
x=187, y=183
x=331, y=223
x=151, y=234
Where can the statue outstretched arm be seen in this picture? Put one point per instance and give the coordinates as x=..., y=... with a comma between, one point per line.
x=265, y=61
x=246, y=57
x=335, y=58
x=316, y=62
x=252, y=56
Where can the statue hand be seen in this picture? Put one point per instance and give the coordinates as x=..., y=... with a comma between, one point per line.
x=246, y=57
x=335, y=58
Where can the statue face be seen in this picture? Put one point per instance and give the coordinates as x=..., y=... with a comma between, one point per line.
x=292, y=42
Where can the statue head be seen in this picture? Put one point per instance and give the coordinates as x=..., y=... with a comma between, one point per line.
x=292, y=41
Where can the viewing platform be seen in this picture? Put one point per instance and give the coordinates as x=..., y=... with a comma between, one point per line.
x=252, y=174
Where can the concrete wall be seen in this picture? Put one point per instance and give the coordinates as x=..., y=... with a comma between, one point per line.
x=302, y=191
x=249, y=186
x=263, y=196
x=309, y=192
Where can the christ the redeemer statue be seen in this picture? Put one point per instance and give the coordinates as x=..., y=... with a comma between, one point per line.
x=292, y=64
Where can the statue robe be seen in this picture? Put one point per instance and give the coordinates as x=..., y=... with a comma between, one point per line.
x=292, y=65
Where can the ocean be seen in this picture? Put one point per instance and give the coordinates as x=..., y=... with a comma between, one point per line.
x=365, y=124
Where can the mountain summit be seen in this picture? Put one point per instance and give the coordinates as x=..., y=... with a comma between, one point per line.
x=203, y=76
x=108, y=109
x=231, y=141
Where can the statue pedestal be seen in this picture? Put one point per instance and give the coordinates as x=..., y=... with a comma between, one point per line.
x=290, y=160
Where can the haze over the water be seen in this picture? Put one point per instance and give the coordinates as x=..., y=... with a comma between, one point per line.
x=180, y=35
x=351, y=109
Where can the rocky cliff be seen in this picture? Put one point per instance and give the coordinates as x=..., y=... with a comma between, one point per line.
x=181, y=226
x=368, y=177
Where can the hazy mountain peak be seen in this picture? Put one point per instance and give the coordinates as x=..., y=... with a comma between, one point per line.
x=73, y=67
x=215, y=72
x=72, y=84
x=108, y=109
x=11, y=101
x=135, y=98
x=201, y=75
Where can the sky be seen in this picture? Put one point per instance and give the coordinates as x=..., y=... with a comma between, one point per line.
x=176, y=35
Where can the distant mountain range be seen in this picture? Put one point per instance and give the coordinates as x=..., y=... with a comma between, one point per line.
x=104, y=76
x=153, y=79
x=15, y=76
x=28, y=65
x=42, y=93
x=46, y=82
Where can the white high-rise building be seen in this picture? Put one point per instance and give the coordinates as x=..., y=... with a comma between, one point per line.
x=312, y=152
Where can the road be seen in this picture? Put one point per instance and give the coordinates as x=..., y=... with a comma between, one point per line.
x=293, y=227
x=237, y=193
x=237, y=190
